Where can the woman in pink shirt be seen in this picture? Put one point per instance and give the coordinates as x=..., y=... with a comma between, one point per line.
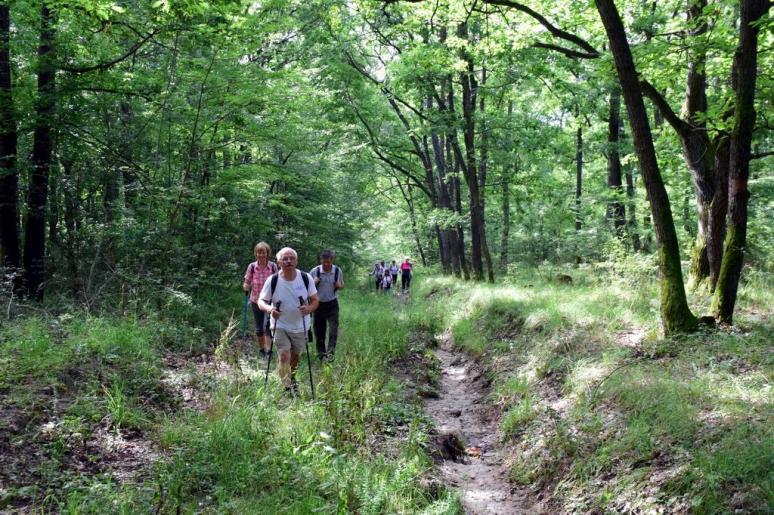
x=405, y=277
x=256, y=275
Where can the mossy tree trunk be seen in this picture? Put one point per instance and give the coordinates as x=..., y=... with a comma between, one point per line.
x=745, y=70
x=676, y=316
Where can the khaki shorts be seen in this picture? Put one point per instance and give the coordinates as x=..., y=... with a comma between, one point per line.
x=287, y=341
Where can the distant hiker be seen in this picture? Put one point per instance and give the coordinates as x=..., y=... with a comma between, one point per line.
x=290, y=287
x=405, y=278
x=394, y=272
x=386, y=281
x=329, y=279
x=255, y=276
x=378, y=273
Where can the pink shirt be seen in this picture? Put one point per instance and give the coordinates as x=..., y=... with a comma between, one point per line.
x=405, y=266
x=256, y=276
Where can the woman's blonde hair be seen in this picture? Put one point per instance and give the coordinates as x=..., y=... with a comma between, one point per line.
x=262, y=245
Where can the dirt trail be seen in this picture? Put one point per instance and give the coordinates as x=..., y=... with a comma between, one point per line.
x=480, y=473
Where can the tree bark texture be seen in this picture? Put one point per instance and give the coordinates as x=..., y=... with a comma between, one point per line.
x=9, y=176
x=675, y=314
x=35, y=231
x=745, y=70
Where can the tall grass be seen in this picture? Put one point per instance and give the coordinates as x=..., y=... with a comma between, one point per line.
x=358, y=447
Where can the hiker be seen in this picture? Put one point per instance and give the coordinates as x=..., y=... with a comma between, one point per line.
x=394, y=272
x=255, y=276
x=290, y=319
x=329, y=279
x=386, y=281
x=405, y=279
x=378, y=273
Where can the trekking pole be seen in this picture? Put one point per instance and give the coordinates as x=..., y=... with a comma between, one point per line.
x=244, y=315
x=306, y=341
x=271, y=346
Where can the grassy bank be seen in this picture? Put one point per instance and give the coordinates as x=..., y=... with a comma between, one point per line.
x=602, y=413
x=135, y=414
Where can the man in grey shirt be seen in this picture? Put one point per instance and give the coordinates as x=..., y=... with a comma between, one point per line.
x=329, y=279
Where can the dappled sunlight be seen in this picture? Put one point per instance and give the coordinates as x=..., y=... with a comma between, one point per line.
x=586, y=374
x=739, y=393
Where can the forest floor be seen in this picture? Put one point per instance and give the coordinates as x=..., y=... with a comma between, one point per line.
x=488, y=399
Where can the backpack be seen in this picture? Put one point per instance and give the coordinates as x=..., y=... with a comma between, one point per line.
x=336, y=273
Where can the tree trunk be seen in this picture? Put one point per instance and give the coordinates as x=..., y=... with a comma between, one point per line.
x=460, y=231
x=35, y=235
x=447, y=193
x=745, y=70
x=716, y=232
x=616, y=212
x=444, y=203
x=9, y=176
x=469, y=167
x=675, y=314
x=482, y=178
x=578, y=170
x=632, y=222
x=508, y=170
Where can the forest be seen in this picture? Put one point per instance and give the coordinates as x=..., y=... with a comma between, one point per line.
x=584, y=189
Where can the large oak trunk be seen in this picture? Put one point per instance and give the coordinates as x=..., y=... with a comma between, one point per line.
x=675, y=314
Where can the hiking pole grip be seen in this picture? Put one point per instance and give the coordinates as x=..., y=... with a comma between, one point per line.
x=271, y=346
x=306, y=342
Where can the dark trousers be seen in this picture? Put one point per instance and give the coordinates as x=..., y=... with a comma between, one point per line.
x=405, y=280
x=326, y=316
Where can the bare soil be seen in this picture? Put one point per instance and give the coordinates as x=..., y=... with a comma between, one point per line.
x=473, y=459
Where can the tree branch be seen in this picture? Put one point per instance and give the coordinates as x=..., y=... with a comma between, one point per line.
x=555, y=31
x=566, y=51
x=104, y=66
x=761, y=155
x=680, y=125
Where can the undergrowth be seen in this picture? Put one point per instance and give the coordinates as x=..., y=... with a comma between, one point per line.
x=72, y=384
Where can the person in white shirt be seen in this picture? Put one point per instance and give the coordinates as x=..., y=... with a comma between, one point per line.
x=289, y=298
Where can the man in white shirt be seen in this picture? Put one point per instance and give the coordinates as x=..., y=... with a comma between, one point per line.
x=289, y=299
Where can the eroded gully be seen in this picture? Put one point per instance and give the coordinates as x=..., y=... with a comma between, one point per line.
x=460, y=411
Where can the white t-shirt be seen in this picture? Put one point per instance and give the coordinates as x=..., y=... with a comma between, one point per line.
x=288, y=293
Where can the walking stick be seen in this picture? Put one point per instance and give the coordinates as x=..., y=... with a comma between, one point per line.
x=271, y=346
x=306, y=341
x=244, y=315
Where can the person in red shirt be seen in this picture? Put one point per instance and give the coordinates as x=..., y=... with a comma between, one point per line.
x=256, y=275
x=405, y=278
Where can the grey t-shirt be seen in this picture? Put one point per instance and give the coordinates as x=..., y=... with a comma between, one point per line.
x=326, y=288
